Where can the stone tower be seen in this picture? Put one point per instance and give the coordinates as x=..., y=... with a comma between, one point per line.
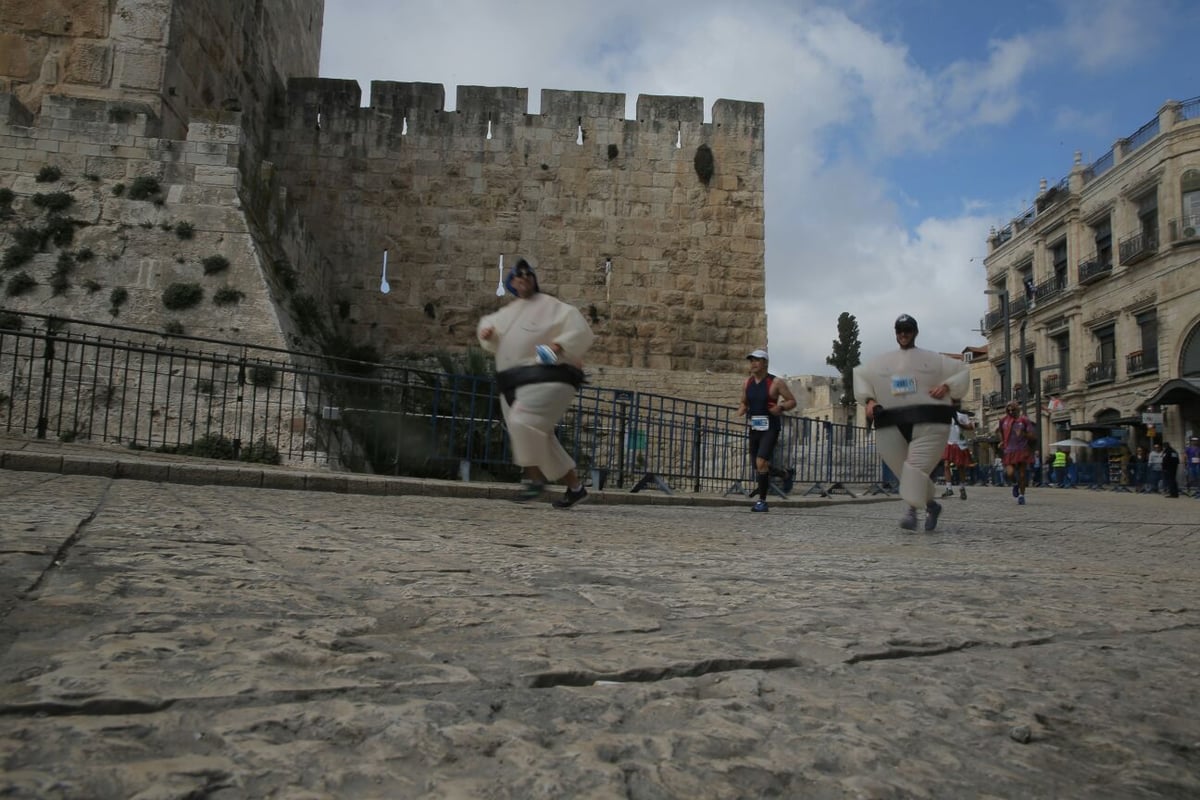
x=653, y=226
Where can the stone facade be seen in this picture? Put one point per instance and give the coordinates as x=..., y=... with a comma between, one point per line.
x=1113, y=255
x=619, y=216
x=652, y=226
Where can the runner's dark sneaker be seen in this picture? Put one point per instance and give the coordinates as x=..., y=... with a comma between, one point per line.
x=1016, y=491
x=963, y=493
x=949, y=492
x=530, y=490
x=761, y=505
x=1021, y=500
x=571, y=498
x=931, y=515
x=909, y=520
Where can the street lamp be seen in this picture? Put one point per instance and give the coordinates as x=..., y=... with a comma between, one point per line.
x=1006, y=377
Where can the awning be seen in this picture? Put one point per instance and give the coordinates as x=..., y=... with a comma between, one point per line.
x=1107, y=425
x=1175, y=392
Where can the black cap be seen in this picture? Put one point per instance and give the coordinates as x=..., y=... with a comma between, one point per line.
x=905, y=321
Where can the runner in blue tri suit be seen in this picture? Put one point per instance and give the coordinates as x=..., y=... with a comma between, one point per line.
x=764, y=399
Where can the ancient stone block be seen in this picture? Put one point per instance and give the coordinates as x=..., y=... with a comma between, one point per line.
x=89, y=63
x=140, y=70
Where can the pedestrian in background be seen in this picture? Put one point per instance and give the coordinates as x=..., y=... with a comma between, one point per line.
x=1170, y=470
x=1154, y=472
x=1016, y=437
x=764, y=399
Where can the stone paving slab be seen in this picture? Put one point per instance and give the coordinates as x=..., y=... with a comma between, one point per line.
x=169, y=640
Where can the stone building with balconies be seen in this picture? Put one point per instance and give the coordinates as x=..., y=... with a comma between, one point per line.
x=1094, y=292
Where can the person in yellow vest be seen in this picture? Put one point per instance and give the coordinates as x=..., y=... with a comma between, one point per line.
x=1060, y=467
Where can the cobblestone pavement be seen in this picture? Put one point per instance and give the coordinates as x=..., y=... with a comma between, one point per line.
x=166, y=640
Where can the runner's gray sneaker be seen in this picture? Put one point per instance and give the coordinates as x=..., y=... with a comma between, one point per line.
x=931, y=515
x=909, y=520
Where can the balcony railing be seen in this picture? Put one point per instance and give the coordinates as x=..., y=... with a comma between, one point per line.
x=1051, y=384
x=1093, y=269
x=1141, y=363
x=992, y=320
x=1017, y=307
x=994, y=400
x=1051, y=289
x=1185, y=229
x=1138, y=247
x=1100, y=372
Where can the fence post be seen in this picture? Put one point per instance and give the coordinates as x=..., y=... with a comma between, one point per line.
x=47, y=373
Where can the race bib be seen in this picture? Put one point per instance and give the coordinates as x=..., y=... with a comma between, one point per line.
x=760, y=423
x=903, y=384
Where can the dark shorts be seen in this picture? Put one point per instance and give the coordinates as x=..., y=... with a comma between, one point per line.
x=762, y=444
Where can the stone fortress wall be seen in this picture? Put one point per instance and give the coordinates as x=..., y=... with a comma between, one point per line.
x=618, y=215
x=653, y=226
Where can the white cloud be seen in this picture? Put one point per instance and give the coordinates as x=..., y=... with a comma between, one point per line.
x=840, y=101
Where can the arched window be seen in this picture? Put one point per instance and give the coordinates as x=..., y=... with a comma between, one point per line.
x=1190, y=366
x=1189, y=186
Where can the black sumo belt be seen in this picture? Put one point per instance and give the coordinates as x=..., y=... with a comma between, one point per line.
x=509, y=380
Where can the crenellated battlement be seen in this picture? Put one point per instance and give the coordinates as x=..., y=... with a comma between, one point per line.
x=338, y=103
x=653, y=224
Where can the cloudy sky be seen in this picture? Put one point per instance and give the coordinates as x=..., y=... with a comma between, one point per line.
x=898, y=131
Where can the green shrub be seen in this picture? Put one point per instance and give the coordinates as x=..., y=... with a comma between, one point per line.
x=261, y=452
x=174, y=327
x=227, y=296
x=20, y=284
x=16, y=255
x=117, y=298
x=7, y=196
x=179, y=296
x=215, y=264
x=184, y=230
x=54, y=201
x=84, y=254
x=29, y=237
x=143, y=188
x=48, y=174
x=93, y=177
x=59, y=283
x=118, y=190
x=60, y=231
x=92, y=286
x=262, y=375
x=10, y=321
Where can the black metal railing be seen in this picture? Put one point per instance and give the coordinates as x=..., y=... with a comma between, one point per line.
x=1142, y=135
x=1138, y=247
x=1052, y=384
x=60, y=379
x=994, y=400
x=1140, y=362
x=1051, y=289
x=992, y=320
x=1100, y=372
x=1093, y=269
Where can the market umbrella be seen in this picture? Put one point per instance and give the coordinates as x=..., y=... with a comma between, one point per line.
x=1106, y=441
x=1072, y=442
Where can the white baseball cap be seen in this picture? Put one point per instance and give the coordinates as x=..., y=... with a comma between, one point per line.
x=759, y=354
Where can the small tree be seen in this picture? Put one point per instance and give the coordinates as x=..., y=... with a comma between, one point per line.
x=847, y=352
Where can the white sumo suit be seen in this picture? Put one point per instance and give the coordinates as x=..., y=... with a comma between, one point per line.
x=900, y=382
x=519, y=328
